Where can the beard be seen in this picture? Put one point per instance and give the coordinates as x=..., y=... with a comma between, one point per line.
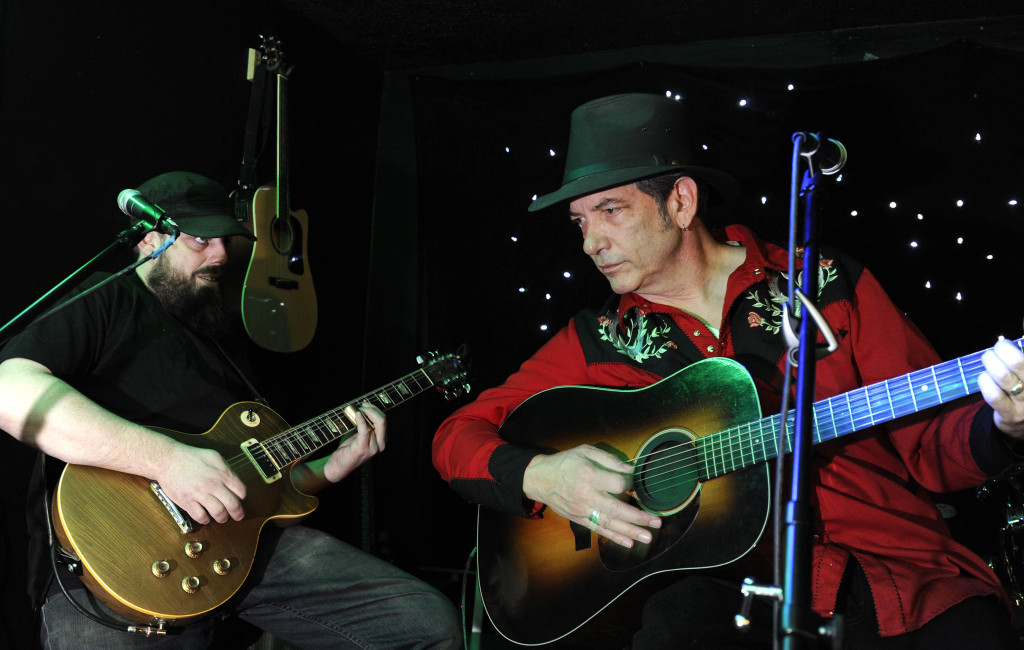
x=199, y=308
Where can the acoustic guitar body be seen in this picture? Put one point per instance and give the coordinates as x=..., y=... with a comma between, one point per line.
x=279, y=307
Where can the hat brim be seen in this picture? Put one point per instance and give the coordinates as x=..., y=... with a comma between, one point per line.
x=724, y=186
x=212, y=225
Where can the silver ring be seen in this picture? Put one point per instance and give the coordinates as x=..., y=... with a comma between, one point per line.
x=595, y=517
x=1018, y=389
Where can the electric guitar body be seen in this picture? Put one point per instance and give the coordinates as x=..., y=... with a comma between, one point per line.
x=121, y=531
x=149, y=561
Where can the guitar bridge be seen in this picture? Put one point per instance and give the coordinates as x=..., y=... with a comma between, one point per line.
x=283, y=283
x=185, y=523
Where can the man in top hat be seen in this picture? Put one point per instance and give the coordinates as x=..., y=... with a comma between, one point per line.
x=881, y=554
x=152, y=349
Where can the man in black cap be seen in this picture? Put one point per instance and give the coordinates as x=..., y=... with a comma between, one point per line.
x=684, y=295
x=151, y=348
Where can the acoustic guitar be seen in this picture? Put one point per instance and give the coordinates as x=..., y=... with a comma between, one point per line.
x=699, y=447
x=279, y=308
x=147, y=560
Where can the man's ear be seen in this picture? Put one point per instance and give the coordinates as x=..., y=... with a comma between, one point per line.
x=682, y=202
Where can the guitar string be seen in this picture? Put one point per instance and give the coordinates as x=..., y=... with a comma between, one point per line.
x=295, y=435
x=901, y=398
x=895, y=397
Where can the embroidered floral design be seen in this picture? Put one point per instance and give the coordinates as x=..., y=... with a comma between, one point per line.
x=771, y=319
x=637, y=338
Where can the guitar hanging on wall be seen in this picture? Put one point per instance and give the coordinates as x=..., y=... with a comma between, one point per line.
x=279, y=308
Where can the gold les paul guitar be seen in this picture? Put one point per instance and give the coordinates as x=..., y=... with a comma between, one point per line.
x=148, y=561
x=699, y=447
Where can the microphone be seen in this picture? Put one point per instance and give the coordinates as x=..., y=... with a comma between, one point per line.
x=150, y=216
x=829, y=154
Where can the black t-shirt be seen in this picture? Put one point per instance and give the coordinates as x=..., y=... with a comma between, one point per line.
x=120, y=348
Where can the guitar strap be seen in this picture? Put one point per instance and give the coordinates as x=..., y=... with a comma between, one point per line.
x=257, y=127
x=256, y=394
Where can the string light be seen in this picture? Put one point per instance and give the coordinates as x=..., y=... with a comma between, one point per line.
x=929, y=243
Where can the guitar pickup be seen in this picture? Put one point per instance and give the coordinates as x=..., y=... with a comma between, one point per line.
x=282, y=283
x=185, y=523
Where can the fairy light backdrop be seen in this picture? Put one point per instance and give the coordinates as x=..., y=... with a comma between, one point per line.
x=929, y=199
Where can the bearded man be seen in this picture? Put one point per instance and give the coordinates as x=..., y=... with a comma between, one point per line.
x=152, y=348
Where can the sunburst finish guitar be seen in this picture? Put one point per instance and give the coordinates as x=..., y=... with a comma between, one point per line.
x=699, y=446
x=279, y=308
x=146, y=559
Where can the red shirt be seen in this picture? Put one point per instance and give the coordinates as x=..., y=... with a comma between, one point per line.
x=870, y=488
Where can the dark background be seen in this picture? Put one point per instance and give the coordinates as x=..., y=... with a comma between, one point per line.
x=421, y=130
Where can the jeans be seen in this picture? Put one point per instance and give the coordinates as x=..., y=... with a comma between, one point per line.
x=307, y=588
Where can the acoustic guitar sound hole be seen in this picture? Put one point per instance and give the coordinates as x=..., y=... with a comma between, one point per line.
x=281, y=235
x=665, y=477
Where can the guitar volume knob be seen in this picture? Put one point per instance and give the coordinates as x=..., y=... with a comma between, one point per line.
x=190, y=585
x=161, y=568
x=222, y=566
x=194, y=549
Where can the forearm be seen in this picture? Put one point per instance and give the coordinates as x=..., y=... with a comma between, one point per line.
x=309, y=477
x=44, y=412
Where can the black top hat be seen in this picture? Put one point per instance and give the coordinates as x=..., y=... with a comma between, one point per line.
x=624, y=138
x=200, y=206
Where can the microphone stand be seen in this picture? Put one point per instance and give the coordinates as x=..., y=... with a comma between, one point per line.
x=798, y=625
x=125, y=239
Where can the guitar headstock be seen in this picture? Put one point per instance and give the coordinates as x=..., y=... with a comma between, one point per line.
x=448, y=372
x=269, y=57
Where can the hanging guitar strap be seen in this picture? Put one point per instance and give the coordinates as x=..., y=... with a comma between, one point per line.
x=252, y=389
x=257, y=130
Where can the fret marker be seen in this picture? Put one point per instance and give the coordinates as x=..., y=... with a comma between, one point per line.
x=924, y=387
x=403, y=389
x=383, y=398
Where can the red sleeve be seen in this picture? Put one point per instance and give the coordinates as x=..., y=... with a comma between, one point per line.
x=935, y=445
x=469, y=452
